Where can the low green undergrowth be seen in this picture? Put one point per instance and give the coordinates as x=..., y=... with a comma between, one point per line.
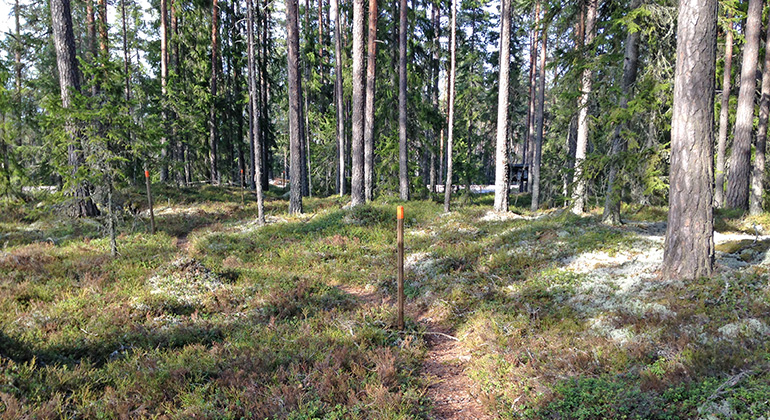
x=216, y=317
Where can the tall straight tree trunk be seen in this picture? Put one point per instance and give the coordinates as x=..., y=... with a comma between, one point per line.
x=357, y=180
x=403, y=168
x=529, y=145
x=501, y=159
x=539, y=121
x=740, y=157
x=434, y=176
x=338, y=95
x=267, y=156
x=213, y=155
x=758, y=173
x=451, y=107
x=724, y=120
x=66, y=61
x=689, y=245
x=371, y=62
x=164, y=88
x=528, y=129
x=295, y=106
x=579, y=193
x=104, y=40
x=619, y=143
x=254, y=112
x=580, y=35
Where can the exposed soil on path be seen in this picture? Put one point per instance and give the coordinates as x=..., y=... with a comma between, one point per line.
x=449, y=387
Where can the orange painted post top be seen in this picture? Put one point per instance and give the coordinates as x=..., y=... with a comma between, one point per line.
x=146, y=174
x=400, y=212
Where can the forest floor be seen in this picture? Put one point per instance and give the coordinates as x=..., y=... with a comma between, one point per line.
x=515, y=315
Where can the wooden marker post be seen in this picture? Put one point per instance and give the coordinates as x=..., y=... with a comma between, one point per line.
x=400, y=242
x=243, y=202
x=149, y=200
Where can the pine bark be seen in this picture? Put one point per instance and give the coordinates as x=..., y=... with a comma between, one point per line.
x=69, y=83
x=758, y=170
x=213, y=144
x=451, y=107
x=371, y=63
x=403, y=169
x=338, y=96
x=434, y=175
x=579, y=192
x=539, y=121
x=689, y=244
x=724, y=120
x=164, y=88
x=619, y=143
x=501, y=149
x=740, y=156
x=295, y=107
x=255, y=135
x=357, y=180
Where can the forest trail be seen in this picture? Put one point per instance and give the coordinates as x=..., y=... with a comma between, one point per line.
x=449, y=387
x=444, y=370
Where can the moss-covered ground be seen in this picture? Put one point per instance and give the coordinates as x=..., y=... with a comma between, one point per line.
x=216, y=317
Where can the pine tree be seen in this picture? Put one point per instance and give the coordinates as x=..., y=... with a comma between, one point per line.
x=689, y=245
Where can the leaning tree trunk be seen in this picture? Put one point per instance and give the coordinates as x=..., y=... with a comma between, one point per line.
x=295, y=106
x=501, y=150
x=758, y=174
x=578, y=194
x=255, y=134
x=724, y=120
x=689, y=246
x=740, y=156
x=357, y=179
x=369, y=107
x=213, y=155
x=66, y=61
x=619, y=144
x=338, y=95
x=540, y=120
x=403, y=169
x=451, y=107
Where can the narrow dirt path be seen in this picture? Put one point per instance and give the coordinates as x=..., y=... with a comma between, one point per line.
x=444, y=368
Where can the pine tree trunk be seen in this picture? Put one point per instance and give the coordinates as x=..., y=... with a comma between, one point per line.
x=501, y=150
x=357, y=180
x=267, y=155
x=403, y=169
x=740, y=156
x=579, y=192
x=724, y=120
x=619, y=143
x=689, y=245
x=758, y=174
x=338, y=96
x=164, y=88
x=434, y=176
x=213, y=154
x=295, y=106
x=451, y=107
x=66, y=61
x=255, y=135
x=539, y=121
x=371, y=62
